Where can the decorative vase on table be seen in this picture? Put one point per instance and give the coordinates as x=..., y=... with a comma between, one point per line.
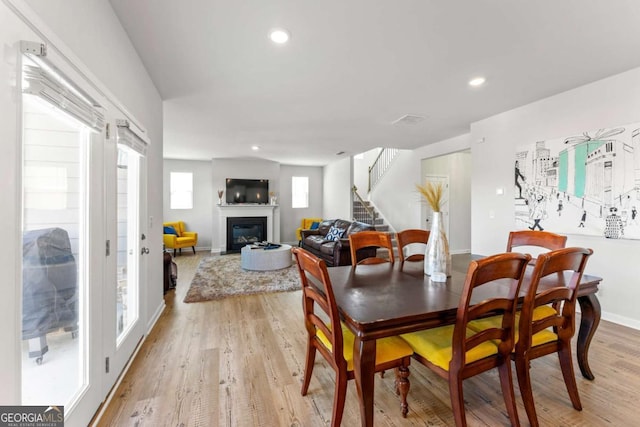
x=437, y=258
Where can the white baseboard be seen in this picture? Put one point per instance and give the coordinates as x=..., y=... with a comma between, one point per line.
x=154, y=319
x=621, y=320
x=460, y=251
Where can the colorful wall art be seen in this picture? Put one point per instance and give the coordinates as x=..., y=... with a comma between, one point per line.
x=581, y=184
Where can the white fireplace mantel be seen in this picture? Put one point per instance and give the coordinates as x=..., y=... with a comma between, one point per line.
x=239, y=210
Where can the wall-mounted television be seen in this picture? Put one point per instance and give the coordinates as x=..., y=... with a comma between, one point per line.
x=255, y=191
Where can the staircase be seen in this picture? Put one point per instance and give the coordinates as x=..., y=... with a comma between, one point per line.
x=364, y=211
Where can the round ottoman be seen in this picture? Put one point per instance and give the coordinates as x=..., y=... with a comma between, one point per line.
x=260, y=259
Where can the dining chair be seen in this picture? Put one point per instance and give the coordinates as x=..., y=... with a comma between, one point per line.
x=456, y=352
x=369, y=239
x=542, y=239
x=335, y=344
x=410, y=236
x=547, y=320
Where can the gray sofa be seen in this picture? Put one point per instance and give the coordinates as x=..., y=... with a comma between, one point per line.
x=335, y=252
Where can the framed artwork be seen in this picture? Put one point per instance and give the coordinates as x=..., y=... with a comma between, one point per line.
x=581, y=184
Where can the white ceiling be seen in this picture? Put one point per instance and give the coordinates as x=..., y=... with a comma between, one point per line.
x=352, y=67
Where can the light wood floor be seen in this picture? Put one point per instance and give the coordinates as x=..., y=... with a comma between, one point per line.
x=239, y=362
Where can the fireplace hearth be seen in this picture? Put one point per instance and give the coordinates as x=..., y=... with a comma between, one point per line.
x=242, y=231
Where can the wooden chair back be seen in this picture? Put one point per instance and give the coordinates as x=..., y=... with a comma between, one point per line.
x=310, y=265
x=547, y=319
x=407, y=237
x=498, y=300
x=368, y=239
x=325, y=334
x=542, y=239
x=491, y=288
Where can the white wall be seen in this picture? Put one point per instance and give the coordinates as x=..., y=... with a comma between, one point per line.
x=361, y=171
x=247, y=169
x=11, y=30
x=606, y=103
x=197, y=219
x=396, y=196
x=336, y=189
x=290, y=218
x=89, y=34
x=457, y=167
x=206, y=185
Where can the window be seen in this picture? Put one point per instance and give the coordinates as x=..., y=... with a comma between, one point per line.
x=181, y=190
x=300, y=192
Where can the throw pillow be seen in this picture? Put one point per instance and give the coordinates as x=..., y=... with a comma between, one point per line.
x=170, y=230
x=334, y=233
x=314, y=225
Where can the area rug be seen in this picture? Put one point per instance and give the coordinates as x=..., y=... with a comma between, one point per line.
x=220, y=277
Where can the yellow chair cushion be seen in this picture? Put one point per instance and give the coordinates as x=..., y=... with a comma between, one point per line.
x=540, y=312
x=387, y=349
x=435, y=346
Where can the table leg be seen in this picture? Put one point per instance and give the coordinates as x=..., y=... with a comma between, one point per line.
x=364, y=355
x=589, y=320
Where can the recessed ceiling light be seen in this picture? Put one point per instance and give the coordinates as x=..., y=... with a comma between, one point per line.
x=477, y=81
x=255, y=147
x=279, y=36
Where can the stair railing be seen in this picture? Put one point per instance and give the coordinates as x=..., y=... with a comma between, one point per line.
x=370, y=214
x=380, y=165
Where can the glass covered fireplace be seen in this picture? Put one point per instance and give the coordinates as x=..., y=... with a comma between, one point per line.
x=242, y=231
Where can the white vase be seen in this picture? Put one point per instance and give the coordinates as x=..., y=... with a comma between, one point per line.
x=437, y=258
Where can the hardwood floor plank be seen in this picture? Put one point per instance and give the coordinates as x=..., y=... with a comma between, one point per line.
x=240, y=361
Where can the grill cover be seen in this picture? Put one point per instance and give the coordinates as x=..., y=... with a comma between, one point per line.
x=49, y=283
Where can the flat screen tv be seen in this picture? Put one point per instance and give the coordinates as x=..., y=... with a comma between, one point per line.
x=255, y=191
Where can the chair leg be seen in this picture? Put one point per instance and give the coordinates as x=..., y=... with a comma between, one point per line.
x=339, y=399
x=524, y=382
x=457, y=399
x=506, y=382
x=174, y=252
x=194, y=249
x=308, y=368
x=402, y=388
x=566, y=364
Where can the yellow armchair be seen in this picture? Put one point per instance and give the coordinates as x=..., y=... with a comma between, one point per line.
x=182, y=238
x=305, y=224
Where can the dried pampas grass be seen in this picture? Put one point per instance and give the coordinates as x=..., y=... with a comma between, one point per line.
x=432, y=192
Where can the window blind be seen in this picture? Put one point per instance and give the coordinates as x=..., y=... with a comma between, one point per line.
x=44, y=80
x=131, y=139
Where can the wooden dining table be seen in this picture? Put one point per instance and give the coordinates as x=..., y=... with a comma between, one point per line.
x=382, y=300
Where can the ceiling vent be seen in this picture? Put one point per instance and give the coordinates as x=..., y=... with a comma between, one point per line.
x=408, y=119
